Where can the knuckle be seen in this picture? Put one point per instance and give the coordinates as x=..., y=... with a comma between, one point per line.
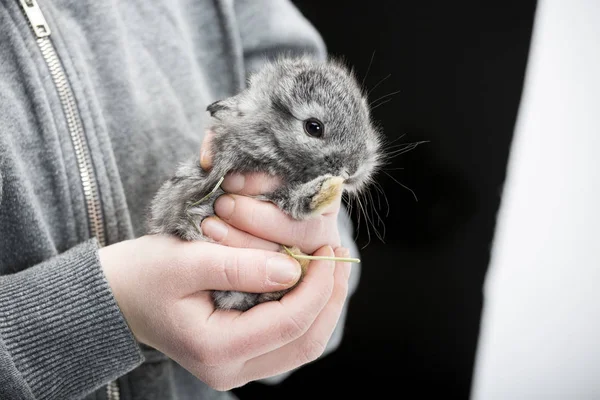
x=222, y=387
x=212, y=360
x=230, y=269
x=311, y=350
x=246, y=241
x=223, y=379
x=208, y=351
x=294, y=327
x=314, y=234
x=255, y=216
x=217, y=380
x=186, y=256
x=208, y=357
x=301, y=235
x=326, y=290
x=219, y=385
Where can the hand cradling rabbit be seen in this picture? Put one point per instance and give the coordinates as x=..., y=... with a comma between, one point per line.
x=303, y=120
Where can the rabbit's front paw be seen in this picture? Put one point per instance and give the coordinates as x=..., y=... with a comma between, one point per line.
x=191, y=220
x=326, y=193
x=311, y=198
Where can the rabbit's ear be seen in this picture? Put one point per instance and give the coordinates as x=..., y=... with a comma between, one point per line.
x=228, y=105
x=216, y=106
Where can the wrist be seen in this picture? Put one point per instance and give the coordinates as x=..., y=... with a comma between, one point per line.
x=114, y=262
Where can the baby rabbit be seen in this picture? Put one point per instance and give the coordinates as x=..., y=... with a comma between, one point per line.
x=303, y=120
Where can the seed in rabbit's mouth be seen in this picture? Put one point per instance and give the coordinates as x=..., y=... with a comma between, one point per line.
x=330, y=190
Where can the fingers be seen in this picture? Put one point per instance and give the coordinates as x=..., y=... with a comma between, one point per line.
x=228, y=235
x=313, y=343
x=251, y=184
x=257, y=183
x=267, y=221
x=237, y=269
x=205, y=151
x=273, y=324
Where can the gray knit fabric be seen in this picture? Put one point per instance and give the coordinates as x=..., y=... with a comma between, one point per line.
x=142, y=74
x=61, y=326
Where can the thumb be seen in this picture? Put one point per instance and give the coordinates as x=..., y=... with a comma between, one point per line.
x=245, y=270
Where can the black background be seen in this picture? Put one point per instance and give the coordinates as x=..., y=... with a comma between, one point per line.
x=413, y=324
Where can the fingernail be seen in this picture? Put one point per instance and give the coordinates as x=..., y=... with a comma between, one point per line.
x=204, y=159
x=214, y=229
x=233, y=183
x=282, y=270
x=205, y=155
x=224, y=206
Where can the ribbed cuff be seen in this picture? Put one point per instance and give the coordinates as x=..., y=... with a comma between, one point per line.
x=62, y=327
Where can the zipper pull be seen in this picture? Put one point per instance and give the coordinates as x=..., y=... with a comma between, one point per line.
x=36, y=18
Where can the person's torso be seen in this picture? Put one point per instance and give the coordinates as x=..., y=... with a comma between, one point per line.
x=95, y=117
x=136, y=78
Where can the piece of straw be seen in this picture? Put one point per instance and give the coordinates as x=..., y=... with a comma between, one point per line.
x=208, y=195
x=305, y=257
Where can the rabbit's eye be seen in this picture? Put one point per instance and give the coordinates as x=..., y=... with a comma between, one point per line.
x=314, y=127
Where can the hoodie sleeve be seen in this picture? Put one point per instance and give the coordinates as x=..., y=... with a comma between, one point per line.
x=267, y=29
x=62, y=334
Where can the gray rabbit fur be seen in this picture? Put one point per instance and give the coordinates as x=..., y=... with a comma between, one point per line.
x=305, y=120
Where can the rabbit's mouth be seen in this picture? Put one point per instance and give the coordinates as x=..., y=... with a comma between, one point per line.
x=353, y=183
x=360, y=178
x=350, y=181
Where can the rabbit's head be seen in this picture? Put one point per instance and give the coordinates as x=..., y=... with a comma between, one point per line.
x=304, y=120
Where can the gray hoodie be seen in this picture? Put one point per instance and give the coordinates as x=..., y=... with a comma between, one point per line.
x=99, y=100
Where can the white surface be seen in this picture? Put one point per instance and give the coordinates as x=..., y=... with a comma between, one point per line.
x=540, y=336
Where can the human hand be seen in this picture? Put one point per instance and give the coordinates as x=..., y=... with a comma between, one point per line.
x=163, y=284
x=243, y=221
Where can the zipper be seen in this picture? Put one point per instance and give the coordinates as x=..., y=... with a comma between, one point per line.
x=82, y=153
x=112, y=391
x=75, y=126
